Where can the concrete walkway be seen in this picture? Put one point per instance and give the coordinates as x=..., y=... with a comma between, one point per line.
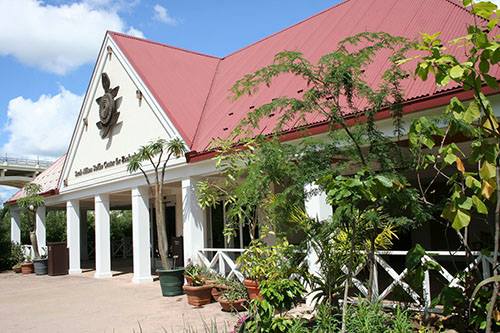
x=30, y=303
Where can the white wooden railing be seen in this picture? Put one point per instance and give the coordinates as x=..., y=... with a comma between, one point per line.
x=222, y=261
x=28, y=251
x=420, y=301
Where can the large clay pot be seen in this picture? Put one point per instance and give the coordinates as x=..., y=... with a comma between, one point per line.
x=198, y=295
x=232, y=306
x=171, y=281
x=40, y=266
x=252, y=289
x=27, y=268
x=217, y=291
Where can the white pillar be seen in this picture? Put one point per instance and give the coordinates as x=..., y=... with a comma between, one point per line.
x=40, y=229
x=84, y=251
x=316, y=205
x=194, y=221
x=102, y=237
x=317, y=208
x=15, y=226
x=73, y=235
x=140, y=235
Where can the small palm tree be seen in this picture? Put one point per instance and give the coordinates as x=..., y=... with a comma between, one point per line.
x=153, y=153
x=30, y=202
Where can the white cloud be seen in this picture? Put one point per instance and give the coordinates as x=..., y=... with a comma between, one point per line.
x=161, y=14
x=42, y=127
x=59, y=38
x=135, y=32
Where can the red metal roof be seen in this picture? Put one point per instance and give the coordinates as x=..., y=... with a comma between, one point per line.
x=179, y=79
x=48, y=180
x=194, y=88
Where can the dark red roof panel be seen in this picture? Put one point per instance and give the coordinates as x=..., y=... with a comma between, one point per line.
x=179, y=79
x=194, y=89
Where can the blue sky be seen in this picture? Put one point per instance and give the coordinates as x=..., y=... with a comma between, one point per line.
x=48, y=48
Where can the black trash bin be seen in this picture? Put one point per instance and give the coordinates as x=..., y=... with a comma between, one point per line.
x=58, y=258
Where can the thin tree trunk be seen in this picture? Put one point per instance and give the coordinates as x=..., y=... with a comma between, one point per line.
x=348, y=279
x=160, y=227
x=495, y=252
x=371, y=263
x=34, y=244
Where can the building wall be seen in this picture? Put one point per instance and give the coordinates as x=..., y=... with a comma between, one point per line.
x=139, y=122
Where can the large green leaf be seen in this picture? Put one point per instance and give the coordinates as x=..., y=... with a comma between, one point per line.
x=487, y=170
x=456, y=72
x=461, y=220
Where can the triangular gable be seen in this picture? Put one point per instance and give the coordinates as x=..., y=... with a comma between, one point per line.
x=92, y=159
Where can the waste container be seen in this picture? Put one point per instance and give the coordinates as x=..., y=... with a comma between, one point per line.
x=58, y=258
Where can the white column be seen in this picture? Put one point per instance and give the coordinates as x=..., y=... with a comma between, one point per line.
x=84, y=251
x=15, y=226
x=102, y=237
x=316, y=205
x=317, y=208
x=40, y=229
x=140, y=235
x=194, y=221
x=73, y=235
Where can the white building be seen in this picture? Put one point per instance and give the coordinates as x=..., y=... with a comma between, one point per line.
x=166, y=92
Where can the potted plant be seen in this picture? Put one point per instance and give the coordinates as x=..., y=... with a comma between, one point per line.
x=41, y=265
x=171, y=278
x=261, y=262
x=16, y=256
x=27, y=266
x=254, y=266
x=219, y=287
x=234, y=297
x=198, y=291
x=30, y=202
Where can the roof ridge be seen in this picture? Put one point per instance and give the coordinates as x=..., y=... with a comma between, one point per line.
x=287, y=28
x=162, y=44
x=206, y=102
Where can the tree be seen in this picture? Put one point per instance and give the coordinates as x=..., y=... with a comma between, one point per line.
x=153, y=153
x=475, y=177
x=336, y=87
x=30, y=202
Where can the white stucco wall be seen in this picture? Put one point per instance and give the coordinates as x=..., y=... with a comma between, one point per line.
x=139, y=122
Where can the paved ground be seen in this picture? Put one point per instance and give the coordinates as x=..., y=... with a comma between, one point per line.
x=30, y=303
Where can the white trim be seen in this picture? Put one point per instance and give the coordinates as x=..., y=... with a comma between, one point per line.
x=159, y=113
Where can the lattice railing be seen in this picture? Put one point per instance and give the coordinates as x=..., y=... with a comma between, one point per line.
x=28, y=251
x=221, y=261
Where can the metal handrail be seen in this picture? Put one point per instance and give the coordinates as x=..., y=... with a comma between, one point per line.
x=24, y=161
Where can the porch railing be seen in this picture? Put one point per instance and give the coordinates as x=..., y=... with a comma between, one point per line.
x=221, y=261
x=28, y=251
x=389, y=273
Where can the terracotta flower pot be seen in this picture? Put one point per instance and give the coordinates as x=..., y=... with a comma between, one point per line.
x=27, y=268
x=217, y=291
x=232, y=306
x=16, y=269
x=198, y=295
x=252, y=289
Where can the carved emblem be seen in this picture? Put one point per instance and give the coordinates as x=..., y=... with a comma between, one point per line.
x=108, y=107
